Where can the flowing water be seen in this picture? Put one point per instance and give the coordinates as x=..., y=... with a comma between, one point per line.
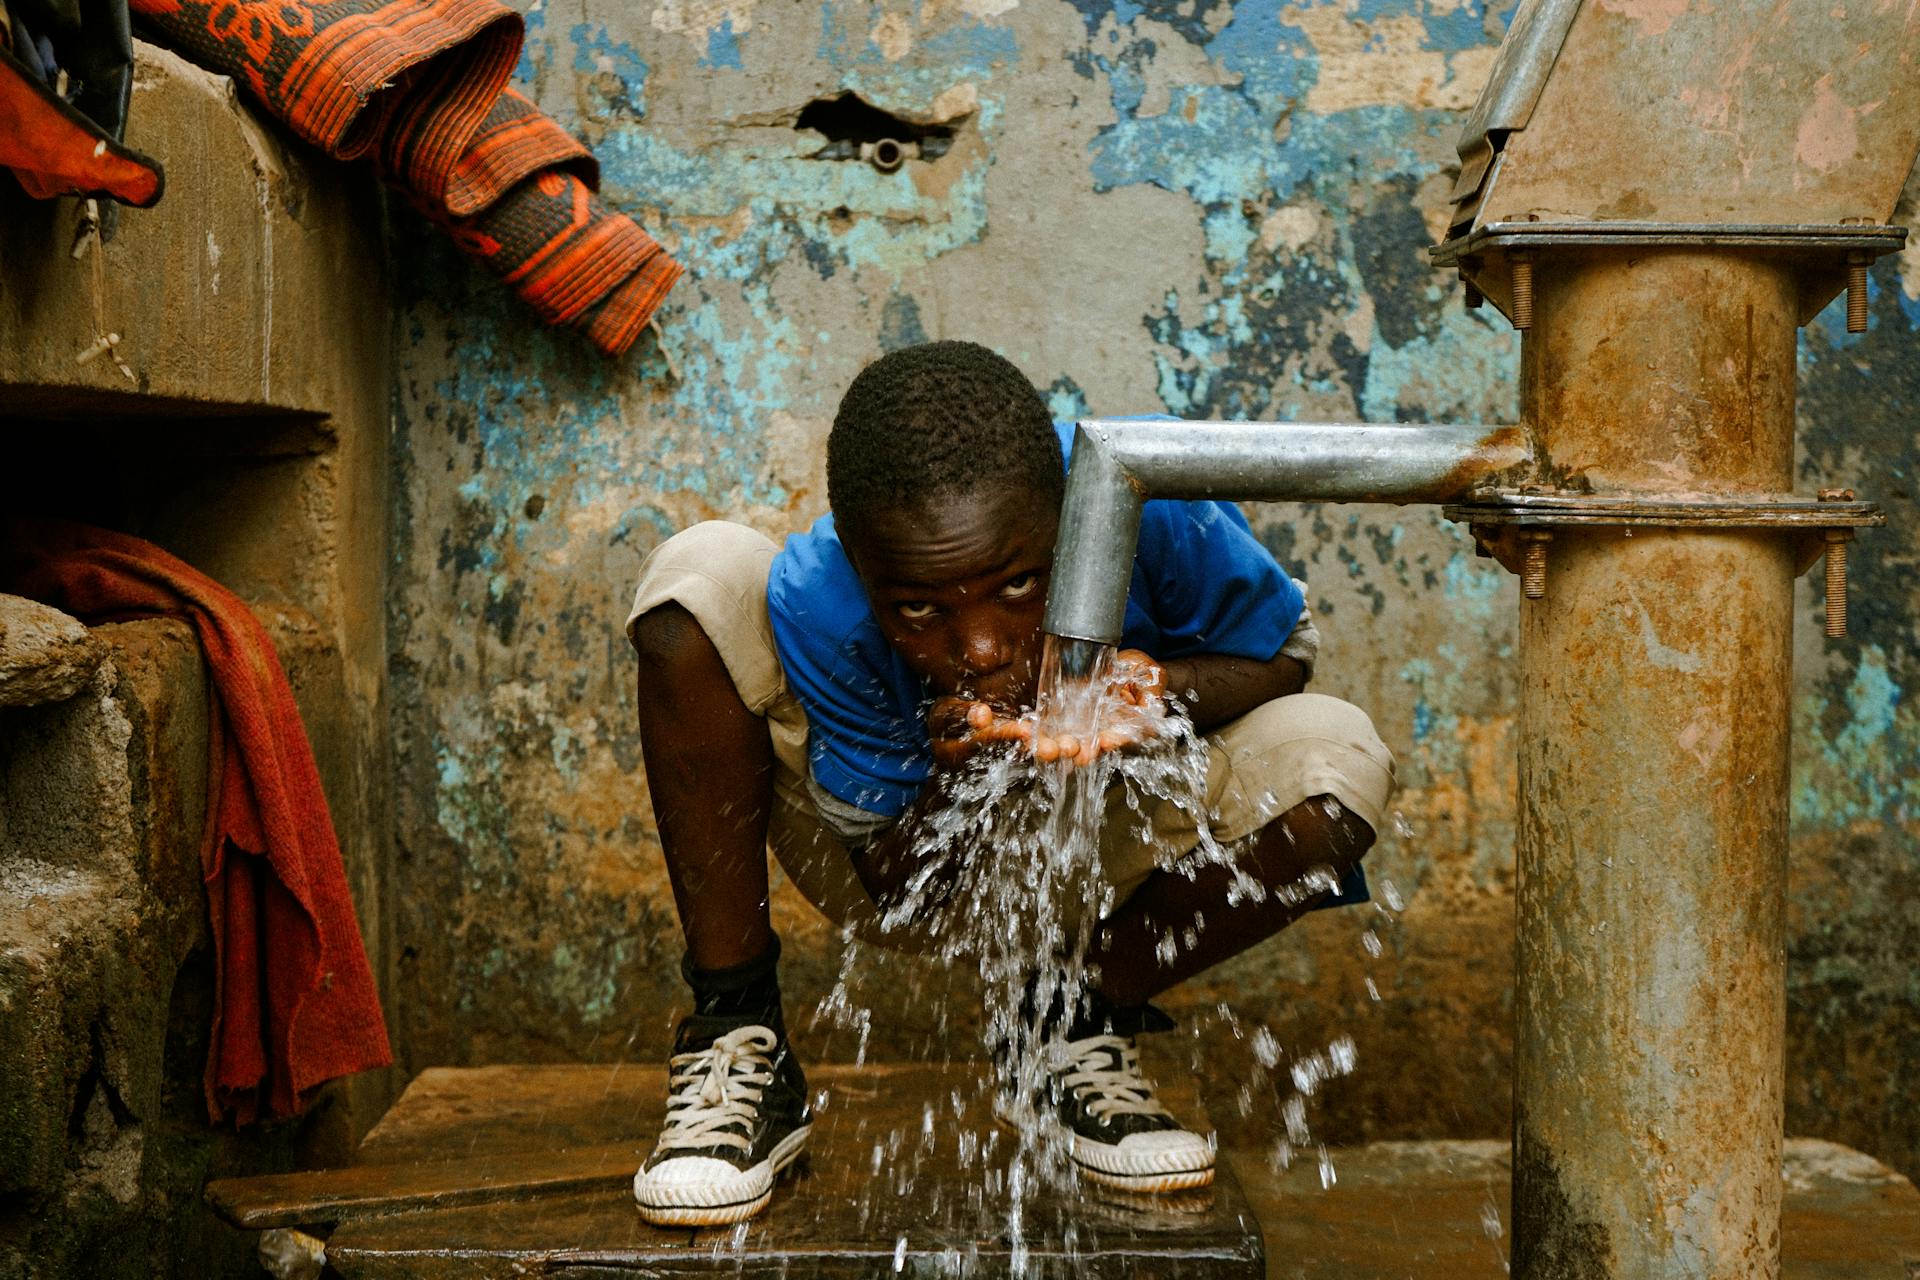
x=1019, y=902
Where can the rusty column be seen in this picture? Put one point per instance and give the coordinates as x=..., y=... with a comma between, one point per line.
x=1653, y=777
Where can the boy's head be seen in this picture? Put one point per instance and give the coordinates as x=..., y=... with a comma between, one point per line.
x=945, y=479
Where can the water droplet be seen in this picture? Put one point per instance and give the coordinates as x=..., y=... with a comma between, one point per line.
x=1390, y=893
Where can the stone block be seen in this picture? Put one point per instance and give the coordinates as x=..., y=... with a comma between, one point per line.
x=45, y=656
x=106, y=977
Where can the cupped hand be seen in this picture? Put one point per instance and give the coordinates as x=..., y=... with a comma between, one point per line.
x=1134, y=709
x=961, y=727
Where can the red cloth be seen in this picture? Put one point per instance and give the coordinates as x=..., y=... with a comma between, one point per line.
x=294, y=1000
x=55, y=151
x=420, y=87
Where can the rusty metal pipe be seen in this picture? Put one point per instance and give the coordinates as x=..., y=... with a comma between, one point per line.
x=1650, y=948
x=1119, y=464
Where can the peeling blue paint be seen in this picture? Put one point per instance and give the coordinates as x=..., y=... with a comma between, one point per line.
x=723, y=47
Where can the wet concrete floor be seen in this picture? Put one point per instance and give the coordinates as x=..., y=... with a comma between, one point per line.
x=499, y=1171
x=1438, y=1211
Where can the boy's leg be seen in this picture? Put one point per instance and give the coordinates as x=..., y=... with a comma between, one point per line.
x=1299, y=786
x=709, y=764
x=1316, y=833
x=737, y=1100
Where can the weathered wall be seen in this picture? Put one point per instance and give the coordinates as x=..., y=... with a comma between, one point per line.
x=1194, y=207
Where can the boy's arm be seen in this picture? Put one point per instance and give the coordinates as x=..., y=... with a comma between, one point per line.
x=1216, y=688
x=892, y=863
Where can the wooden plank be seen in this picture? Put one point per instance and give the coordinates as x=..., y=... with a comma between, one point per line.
x=498, y=1110
x=906, y=1162
x=333, y=1195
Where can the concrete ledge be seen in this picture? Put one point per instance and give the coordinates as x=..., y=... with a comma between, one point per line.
x=253, y=227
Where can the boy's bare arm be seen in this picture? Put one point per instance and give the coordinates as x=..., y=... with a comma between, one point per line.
x=891, y=863
x=1216, y=688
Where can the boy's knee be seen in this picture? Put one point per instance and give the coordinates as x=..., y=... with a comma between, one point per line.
x=702, y=605
x=1300, y=752
x=667, y=635
x=1344, y=834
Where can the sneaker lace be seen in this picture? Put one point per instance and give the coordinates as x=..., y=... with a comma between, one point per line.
x=714, y=1094
x=1104, y=1074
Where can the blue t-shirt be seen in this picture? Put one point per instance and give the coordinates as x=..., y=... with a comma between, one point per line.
x=1202, y=583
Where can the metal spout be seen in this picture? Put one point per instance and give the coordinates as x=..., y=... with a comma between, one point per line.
x=1119, y=465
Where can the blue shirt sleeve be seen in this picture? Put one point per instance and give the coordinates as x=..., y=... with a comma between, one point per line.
x=866, y=710
x=1202, y=583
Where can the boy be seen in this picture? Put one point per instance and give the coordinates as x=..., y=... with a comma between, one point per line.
x=821, y=696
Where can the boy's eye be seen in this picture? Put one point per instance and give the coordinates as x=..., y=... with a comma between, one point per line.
x=1020, y=586
x=914, y=610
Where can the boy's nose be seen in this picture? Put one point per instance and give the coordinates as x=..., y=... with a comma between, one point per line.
x=983, y=651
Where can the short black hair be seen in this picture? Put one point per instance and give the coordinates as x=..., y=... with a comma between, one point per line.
x=937, y=420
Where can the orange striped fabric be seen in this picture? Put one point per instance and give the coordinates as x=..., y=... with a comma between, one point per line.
x=419, y=87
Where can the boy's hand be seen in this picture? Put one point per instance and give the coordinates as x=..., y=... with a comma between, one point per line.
x=960, y=727
x=1136, y=688
x=1135, y=708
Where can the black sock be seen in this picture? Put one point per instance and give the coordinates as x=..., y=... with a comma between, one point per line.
x=749, y=991
x=1093, y=1015
x=1098, y=1015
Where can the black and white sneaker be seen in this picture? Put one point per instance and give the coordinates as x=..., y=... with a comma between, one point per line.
x=1121, y=1136
x=736, y=1116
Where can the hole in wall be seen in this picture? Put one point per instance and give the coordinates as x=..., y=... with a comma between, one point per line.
x=855, y=129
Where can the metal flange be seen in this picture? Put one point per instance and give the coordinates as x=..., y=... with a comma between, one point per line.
x=1497, y=259
x=1516, y=528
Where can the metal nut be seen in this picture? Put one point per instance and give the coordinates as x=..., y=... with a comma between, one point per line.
x=888, y=154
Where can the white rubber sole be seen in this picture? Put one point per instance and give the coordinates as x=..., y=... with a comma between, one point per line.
x=725, y=1214
x=1157, y=1182
x=1148, y=1183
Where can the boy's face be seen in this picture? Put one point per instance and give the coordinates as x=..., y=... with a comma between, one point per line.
x=958, y=585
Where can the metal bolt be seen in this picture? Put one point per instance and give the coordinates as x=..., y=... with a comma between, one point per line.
x=1522, y=264
x=1837, y=540
x=1533, y=565
x=1856, y=293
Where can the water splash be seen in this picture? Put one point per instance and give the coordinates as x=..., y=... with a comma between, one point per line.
x=1012, y=883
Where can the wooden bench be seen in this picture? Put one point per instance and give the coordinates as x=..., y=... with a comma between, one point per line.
x=511, y=1171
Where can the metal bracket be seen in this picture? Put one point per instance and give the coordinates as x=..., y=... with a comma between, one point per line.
x=1497, y=259
x=1515, y=529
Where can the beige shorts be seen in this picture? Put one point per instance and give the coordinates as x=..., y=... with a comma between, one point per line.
x=1258, y=766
